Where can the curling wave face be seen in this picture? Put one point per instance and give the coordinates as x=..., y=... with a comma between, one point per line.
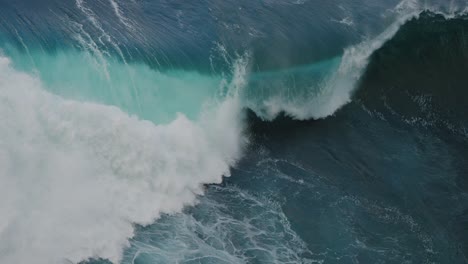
x=110, y=122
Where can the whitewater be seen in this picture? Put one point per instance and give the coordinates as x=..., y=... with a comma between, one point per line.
x=85, y=173
x=85, y=159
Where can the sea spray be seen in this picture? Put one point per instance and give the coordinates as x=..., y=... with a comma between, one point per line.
x=76, y=176
x=320, y=97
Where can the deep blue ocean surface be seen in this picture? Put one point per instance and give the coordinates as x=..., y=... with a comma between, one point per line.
x=220, y=131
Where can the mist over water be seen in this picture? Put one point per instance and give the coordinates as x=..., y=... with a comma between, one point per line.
x=233, y=132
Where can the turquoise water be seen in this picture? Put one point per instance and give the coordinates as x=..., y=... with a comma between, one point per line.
x=134, y=87
x=233, y=132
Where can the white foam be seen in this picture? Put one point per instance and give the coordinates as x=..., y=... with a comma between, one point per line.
x=336, y=91
x=76, y=176
x=253, y=230
x=119, y=13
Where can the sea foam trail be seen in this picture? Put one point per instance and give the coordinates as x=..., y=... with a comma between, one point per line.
x=76, y=175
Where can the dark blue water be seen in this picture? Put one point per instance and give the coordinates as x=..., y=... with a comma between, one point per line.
x=352, y=120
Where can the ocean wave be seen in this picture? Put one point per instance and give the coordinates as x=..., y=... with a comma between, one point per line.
x=319, y=95
x=76, y=176
x=419, y=76
x=99, y=133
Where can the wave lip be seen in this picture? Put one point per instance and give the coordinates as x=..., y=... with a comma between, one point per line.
x=321, y=97
x=77, y=175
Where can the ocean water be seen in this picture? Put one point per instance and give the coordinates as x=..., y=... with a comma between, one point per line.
x=294, y=131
